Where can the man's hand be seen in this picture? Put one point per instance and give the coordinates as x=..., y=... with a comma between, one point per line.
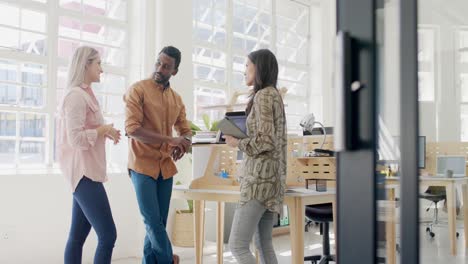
x=180, y=142
x=177, y=153
x=231, y=141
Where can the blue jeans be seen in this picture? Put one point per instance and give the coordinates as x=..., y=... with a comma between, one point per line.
x=153, y=198
x=90, y=209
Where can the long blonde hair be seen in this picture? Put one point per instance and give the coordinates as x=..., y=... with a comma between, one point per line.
x=82, y=57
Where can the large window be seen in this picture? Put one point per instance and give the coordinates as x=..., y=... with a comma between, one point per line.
x=34, y=56
x=23, y=29
x=293, y=51
x=210, y=56
x=225, y=31
x=23, y=84
x=102, y=25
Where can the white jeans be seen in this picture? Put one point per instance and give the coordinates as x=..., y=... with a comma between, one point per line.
x=252, y=220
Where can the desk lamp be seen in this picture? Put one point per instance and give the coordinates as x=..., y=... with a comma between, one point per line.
x=307, y=124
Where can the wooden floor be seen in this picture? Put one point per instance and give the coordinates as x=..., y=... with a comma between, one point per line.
x=432, y=250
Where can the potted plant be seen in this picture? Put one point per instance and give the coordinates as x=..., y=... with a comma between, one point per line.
x=210, y=131
x=182, y=232
x=210, y=126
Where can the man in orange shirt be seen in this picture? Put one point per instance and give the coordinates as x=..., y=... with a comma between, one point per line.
x=152, y=110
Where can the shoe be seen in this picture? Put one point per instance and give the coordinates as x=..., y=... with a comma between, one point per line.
x=175, y=259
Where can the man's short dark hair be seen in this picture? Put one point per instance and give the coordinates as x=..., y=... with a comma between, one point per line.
x=174, y=53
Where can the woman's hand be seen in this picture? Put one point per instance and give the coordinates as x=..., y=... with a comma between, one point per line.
x=104, y=129
x=109, y=132
x=114, y=135
x=231, y=141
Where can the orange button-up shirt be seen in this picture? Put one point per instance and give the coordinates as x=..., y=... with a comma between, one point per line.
x=158, y=108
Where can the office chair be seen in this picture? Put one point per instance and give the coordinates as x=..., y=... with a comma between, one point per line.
x=323, y=214
x=434, y=194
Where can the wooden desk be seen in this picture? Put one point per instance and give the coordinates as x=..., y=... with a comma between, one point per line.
x=296, y=202
x=449, y=184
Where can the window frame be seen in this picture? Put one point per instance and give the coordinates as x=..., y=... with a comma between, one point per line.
x=232, y=52
x=53, y=11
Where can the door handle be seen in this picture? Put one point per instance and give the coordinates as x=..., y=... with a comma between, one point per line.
x=346, y=114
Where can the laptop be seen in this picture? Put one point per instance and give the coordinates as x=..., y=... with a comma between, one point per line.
x=455, y=163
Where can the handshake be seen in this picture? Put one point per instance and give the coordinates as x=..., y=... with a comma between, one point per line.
x=180, y=146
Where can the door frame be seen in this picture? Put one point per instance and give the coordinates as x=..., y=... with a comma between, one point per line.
x=356, y=163
x=409, y=125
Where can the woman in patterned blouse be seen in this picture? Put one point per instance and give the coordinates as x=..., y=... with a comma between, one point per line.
x=263, y=176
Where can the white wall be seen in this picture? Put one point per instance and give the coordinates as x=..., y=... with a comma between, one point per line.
x=443, y=116
x=327, y=39
x=174, y=27
x=36, y=214
x=439, y=120
x=388, y=67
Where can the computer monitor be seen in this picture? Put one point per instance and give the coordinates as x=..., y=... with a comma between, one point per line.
x=422, y=152
x=457, y=164
x=239, y=119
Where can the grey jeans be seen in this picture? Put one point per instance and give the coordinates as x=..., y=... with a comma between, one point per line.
x=252, y=220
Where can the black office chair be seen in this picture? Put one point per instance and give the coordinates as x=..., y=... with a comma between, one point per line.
x=323, y=214
x=435, y=194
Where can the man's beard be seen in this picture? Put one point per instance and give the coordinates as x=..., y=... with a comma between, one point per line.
x=162, y=79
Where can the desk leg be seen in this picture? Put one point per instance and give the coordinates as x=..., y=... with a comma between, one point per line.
x=465, y=212
x=220, y=232
x=452, y=215
x=199, y=211
x=297, y=214
x=390, y=229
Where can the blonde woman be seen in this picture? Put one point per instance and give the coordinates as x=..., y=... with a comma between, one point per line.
x=81, y=136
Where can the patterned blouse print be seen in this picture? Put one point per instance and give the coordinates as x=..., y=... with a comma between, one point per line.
x=263, y=176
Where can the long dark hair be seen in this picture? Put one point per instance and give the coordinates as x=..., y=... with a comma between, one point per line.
x=266, y=72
